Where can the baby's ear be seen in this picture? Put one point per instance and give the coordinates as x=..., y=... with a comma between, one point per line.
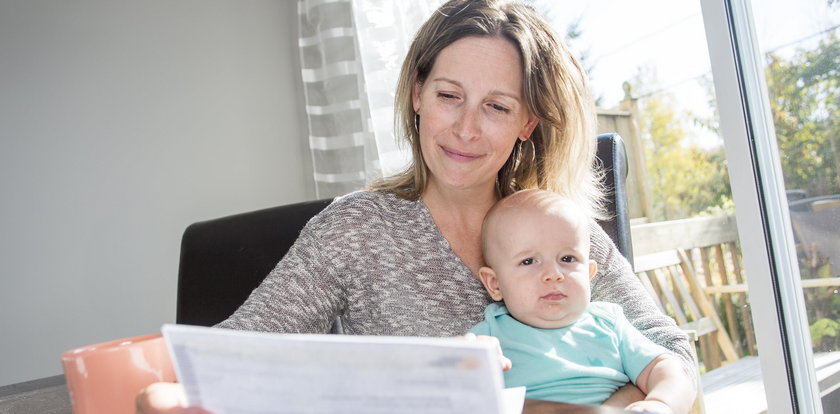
x=593, y=269
x=490, y=282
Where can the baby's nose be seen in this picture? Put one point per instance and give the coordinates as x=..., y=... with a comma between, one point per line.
x=554, y=276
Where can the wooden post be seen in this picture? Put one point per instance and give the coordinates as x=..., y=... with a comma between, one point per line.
x=743, y=303
x=636, y=150
x=731, y=318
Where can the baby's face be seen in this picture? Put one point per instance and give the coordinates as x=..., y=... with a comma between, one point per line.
x=540, y=265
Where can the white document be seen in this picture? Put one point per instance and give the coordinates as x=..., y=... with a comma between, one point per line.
x=228, y=371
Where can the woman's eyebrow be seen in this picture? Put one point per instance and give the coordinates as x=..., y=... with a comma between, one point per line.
x=447, y=80
x=511, y=95
x=514, y=96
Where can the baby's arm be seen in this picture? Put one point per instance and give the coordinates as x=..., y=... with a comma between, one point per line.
x=668, y=387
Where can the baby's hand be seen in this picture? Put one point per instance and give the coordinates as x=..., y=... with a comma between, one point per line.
x=505, y=363
x=651, y=406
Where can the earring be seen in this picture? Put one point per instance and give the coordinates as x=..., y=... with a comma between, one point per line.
x=417, y=122
x=533, y=148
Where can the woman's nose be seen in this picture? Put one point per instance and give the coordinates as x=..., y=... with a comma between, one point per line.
x=466, y=126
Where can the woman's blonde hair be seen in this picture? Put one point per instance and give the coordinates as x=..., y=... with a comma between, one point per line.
x=561, y=152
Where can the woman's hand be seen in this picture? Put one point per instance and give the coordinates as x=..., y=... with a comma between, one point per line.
x=165, y=398
x=503, y=361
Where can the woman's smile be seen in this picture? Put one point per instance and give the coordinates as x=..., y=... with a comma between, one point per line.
x=459, y=156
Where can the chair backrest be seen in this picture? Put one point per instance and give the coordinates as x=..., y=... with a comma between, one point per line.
x=224, y=259
x=671, y=281
x=612, y=154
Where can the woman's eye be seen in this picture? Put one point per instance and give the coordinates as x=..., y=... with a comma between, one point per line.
x=499, y=108
x=445, y=95
x=527, y=262
x=568, y=259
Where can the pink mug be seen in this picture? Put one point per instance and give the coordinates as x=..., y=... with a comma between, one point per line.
x=106, y=377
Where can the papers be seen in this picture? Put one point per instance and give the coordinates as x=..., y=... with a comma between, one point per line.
x=228, y=371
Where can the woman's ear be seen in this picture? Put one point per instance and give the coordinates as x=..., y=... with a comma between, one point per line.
x=490, y=282
x=593, y=269
x=529, y=127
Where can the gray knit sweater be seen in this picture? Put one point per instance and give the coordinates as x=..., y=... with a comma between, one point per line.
x=381, y=264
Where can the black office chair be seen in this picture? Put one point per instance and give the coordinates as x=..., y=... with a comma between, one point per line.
x=224, y=259
x=613, y=157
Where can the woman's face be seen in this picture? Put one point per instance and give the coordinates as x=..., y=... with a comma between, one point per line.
x=471, y=112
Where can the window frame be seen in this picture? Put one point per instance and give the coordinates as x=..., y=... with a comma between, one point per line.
x=769, y=256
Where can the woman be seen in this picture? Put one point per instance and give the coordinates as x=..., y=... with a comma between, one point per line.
x=491, y=102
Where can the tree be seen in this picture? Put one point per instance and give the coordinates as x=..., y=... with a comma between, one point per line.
x=804, y=92
x=572, y=35
x=685, y=180
x=804, y=95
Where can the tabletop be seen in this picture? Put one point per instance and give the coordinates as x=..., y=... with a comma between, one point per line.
x=46, y=395
x=49, y=396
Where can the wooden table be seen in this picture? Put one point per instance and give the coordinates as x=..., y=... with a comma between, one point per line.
x=49, y=396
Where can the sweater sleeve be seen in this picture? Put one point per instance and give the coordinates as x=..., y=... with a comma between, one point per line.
x=302, y=294
x=615, y=282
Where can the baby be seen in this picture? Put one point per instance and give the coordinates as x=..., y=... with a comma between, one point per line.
x=564, y=348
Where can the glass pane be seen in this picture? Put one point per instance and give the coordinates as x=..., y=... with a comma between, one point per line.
x=800, y=43
x=650, y=70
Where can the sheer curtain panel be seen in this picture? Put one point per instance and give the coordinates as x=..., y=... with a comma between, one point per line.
x=351, y=53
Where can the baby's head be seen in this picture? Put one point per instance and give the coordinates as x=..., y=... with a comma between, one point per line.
x=536, y=246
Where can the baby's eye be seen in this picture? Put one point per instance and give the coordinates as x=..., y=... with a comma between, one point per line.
x=527, y=262
x=568, y=259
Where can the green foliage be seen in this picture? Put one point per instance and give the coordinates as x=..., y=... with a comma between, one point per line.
x=685, y=180
x=804, y=91
x=824, y=328
x=804, y=95
x=822, y=303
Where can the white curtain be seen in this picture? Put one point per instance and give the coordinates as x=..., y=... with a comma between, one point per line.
x=351, y=53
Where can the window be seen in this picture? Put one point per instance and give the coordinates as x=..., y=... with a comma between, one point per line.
x=768, y=162
x=755, y=125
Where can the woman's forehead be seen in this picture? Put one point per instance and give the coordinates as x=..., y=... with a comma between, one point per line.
x=492, y=59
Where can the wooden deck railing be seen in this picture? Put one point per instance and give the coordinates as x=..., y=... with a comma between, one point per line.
x=712, y=245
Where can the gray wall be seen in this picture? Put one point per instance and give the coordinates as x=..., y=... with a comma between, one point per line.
x=121, y=123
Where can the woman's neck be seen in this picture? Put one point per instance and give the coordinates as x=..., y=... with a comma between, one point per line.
x=458, y=214
x=457, y=204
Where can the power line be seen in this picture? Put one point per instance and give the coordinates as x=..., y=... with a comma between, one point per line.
x=672, y=85
x=802, y=39
x=700, y=76
x=646, y=36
